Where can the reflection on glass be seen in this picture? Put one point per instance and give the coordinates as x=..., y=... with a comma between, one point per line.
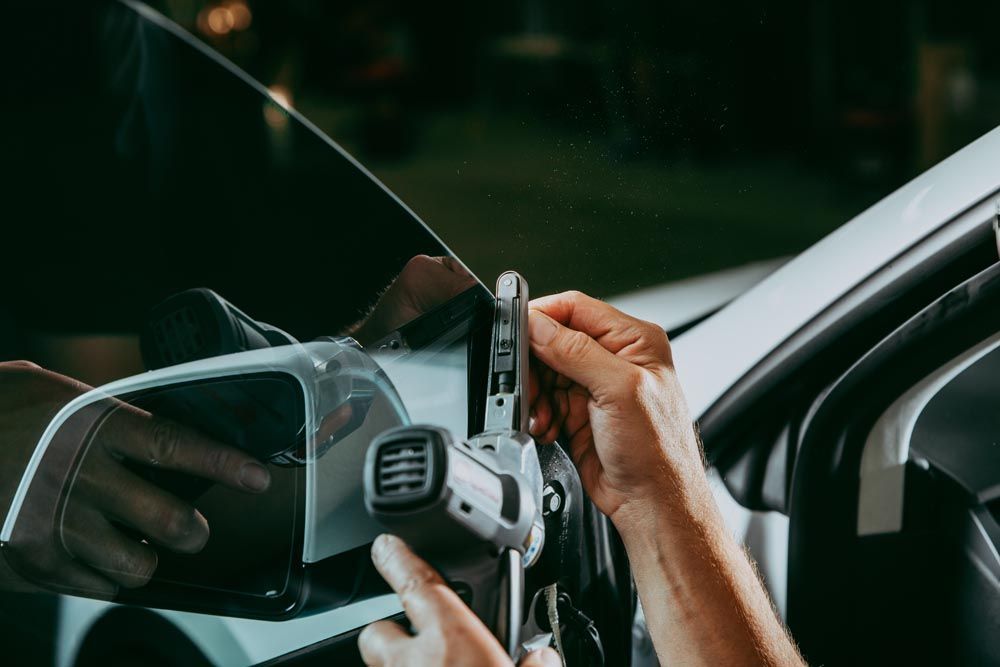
x=234, y=462
x=116, y=497
x=238, y=461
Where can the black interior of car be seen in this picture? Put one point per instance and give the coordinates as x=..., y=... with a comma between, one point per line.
x=905, y=596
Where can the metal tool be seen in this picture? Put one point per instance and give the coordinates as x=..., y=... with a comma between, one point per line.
x=472, y=507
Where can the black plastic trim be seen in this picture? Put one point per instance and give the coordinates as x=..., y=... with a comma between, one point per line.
x=822, y=350
x=824, y=561
x=780, y=389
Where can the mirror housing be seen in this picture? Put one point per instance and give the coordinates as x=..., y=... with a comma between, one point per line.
x=305, y=411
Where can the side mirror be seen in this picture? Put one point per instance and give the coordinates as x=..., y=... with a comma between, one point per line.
x=134, y=493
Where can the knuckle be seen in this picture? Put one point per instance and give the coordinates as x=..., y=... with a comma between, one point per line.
x=660, y=342
x=419, y=582
x=164, y=441
x=217, y=461
x=575, y=343
x=652, y=331
x=633, y=380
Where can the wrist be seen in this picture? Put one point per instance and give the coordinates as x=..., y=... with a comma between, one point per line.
x=679, y=506
x=675, y=482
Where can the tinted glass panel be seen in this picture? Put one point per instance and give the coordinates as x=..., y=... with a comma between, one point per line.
x=138, y=165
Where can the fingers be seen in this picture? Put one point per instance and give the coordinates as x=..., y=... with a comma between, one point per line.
x=541, y=417
x=150, y=440
x=577, y=356
x=424, y=594
x=78, y=579
x=546, y=657
x=559, y=401
x=584, y=348
x=640, y=341
x=577, y=415
x=88, y=537
x=48, y=564
x=149, y=509
x=380, y=641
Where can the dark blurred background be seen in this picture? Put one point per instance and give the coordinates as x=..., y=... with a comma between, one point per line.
x=606, y=146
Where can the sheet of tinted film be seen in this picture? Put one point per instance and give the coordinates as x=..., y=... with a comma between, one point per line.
x=433, y=385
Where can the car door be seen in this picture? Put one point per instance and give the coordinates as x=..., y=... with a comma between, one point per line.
x=894, y=540
x=856, y=594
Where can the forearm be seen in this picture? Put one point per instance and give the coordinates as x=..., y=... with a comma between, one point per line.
x=703, y=601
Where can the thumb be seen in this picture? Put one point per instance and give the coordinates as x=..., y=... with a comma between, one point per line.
x=546, y=657
x=577, y=356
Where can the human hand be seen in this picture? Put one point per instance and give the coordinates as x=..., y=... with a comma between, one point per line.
x=606, y=386
x=107, y=531
x=447, y=632
x=423, y=284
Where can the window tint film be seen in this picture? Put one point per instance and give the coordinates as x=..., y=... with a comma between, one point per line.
x=136, y=165
x=221, y=309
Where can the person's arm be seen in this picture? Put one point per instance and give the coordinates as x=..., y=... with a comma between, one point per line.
x=607, y=388
x=702, y=599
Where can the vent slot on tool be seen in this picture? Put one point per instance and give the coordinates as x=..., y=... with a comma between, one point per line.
x=402, y=469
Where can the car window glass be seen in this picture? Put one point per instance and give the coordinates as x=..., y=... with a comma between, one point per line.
x=313, y=306
x=169, y=176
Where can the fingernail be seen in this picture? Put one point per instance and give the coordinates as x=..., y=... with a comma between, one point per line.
x=381, y=546
x=196, y=532
x=254, y=476
x=541, y=329
x=532, y=422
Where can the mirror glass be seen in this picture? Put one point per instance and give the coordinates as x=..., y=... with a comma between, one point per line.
x=170, y=489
